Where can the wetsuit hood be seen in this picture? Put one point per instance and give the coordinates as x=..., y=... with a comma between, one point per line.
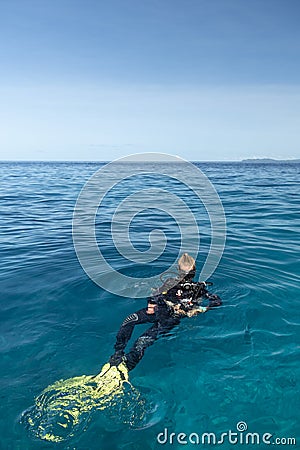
x=187, y=276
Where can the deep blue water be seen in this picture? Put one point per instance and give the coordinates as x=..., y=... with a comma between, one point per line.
x=237, y=363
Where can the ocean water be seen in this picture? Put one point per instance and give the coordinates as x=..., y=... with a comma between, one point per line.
x=237, y=363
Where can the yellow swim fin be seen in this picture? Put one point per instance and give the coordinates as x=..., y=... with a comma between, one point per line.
x=61, y=407
x=111, y=378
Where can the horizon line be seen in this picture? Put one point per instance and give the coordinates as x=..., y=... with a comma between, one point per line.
x=262, y=159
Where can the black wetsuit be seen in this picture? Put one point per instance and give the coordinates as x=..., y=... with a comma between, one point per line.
x=163, y=319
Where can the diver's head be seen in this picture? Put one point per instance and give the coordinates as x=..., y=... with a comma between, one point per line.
x=186, y=266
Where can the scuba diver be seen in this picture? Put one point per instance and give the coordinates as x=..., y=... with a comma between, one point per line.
x=63, y=405
x=177, y=298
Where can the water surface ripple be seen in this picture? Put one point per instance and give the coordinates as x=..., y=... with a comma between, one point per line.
x=239, y=362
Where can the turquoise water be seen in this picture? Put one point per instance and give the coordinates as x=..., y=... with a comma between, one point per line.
x=237, y=363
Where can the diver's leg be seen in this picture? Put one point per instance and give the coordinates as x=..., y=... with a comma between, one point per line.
x=125, y=333
x=137, y=351
x=147, y=339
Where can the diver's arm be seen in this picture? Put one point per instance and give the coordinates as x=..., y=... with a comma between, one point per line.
x=214, y=300
x=153, y=302
x=161, y=294
x=151, y=308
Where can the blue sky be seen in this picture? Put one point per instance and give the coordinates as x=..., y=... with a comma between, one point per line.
x=202, y=79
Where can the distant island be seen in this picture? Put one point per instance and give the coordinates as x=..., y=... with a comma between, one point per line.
x=270, y=161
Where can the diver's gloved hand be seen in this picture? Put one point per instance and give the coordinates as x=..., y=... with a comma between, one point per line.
x=198, y=310
x=214, y=300
x=117, y=358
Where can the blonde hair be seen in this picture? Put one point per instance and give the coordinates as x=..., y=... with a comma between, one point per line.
x=186, y=262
